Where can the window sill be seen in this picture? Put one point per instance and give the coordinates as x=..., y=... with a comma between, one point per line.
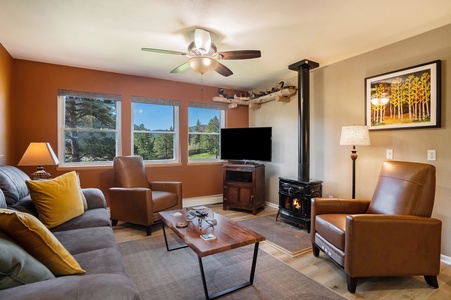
x=205, y=163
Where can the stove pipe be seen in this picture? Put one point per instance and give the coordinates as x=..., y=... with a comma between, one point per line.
x=303, y=68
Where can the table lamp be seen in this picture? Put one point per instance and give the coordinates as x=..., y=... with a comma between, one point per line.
x=39, y=154
x=354, y=136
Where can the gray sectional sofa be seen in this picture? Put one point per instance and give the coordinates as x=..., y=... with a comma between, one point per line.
x=88, y=238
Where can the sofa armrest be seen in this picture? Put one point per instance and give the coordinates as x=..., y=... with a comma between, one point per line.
x=392, y=245
x=94, y=197
x=339, y=206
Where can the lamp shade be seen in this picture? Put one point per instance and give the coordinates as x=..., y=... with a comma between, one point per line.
x=39, y=154
x=355, y=136
x=202, y=64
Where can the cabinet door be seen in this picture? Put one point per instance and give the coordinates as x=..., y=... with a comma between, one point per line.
x=238, y=196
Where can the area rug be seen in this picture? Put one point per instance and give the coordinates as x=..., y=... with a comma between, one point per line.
x=159, y=274
x=287, y=238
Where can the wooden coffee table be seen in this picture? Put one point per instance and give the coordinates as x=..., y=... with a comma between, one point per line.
x=229, y=235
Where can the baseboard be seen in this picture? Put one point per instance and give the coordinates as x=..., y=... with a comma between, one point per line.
x=445, y=259
x=273, y=205
x=204, y=200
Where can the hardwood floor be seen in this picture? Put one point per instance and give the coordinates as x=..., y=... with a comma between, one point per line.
x=323, y=270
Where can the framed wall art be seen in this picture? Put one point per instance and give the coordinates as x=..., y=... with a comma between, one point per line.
x=403, y=99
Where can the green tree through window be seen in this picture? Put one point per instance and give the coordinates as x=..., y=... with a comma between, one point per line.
x=90, y=133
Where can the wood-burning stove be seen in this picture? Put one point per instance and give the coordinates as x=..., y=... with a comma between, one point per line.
x=295, y=200
x=295, y=193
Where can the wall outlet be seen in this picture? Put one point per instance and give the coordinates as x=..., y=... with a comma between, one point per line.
x=432, y=155
x=389, y=154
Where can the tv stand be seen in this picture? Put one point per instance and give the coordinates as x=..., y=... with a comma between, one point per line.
x=244, y=186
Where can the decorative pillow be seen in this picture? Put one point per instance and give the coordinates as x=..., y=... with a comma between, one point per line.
x=57, y=200
x=83, y=198
x=17, y=267
x=37, y=240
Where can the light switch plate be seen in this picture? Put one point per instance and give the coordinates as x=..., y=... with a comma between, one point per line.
x=389, y=154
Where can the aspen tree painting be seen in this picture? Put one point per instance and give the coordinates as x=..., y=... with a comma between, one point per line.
x=407, y=98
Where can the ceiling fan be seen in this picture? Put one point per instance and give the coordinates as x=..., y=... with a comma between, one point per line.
x=204, y=57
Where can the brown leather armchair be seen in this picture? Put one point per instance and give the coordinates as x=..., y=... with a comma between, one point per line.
x=136, y=200
x=391, y=235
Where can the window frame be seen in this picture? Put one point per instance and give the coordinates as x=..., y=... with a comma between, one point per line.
x=176, y=130
x=222, y=115
x=61, y=108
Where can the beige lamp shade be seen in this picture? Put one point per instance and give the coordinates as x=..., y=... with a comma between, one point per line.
x=202, y=64
x=39, y=154
x=355, y=136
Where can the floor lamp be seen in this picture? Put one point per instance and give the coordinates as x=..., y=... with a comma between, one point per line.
x=354, y=136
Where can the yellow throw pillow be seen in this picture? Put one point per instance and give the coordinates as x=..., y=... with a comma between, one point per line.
x=57, y=200
x=37, y=240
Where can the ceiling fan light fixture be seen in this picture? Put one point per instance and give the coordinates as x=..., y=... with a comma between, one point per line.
x=202, y=40
x=202, y=64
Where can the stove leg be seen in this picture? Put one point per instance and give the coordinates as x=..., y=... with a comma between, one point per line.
x=278, y=212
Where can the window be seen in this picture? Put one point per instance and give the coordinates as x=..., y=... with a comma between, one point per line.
x=155, y=129
x=204, y=130
x=89, y=130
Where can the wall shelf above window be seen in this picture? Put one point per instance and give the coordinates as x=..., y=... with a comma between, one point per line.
x=282, y=95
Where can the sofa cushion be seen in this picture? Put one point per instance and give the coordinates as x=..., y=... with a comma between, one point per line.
x=37, y=240
x=57, y=200
x=86, y=239
x=90, y=218
x=102, y=261
x=17, y=267
x=12, y=183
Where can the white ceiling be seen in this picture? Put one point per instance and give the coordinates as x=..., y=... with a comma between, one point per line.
x=109, y=34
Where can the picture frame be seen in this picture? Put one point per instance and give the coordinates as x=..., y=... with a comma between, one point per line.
x=404, y=99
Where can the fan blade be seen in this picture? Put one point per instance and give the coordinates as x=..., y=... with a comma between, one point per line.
x=162, y=51
x=223, y=70
x=181, y=68
x=240, y=54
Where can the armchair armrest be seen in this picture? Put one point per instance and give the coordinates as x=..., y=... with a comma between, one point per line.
x=133, y=205
x=392, y=245
x=94, y=197
x=167, y=186
x=339, y=206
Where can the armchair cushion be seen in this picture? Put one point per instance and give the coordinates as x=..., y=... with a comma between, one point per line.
x=332, y=227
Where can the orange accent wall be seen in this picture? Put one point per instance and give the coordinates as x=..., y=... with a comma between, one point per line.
x=34, y=119
x=6, y=62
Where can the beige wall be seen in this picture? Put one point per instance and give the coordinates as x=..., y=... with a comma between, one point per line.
x=337, y=99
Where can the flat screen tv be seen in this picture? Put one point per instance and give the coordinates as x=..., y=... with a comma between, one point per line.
x=246, y=144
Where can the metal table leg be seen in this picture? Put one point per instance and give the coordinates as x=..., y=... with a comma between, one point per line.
x=232, y=289
x=166, y=241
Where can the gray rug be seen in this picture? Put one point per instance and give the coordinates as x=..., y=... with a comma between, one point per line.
x=287, y=238
x=159, y=274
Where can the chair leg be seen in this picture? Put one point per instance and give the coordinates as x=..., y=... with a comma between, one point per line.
x=113, y=222
x=315, y=250
x=351, y=283
x=149, y=230
x=432, y=281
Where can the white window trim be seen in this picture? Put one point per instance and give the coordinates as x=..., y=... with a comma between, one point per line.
x=61, y=128
x=221, y=124
x=176, y=105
